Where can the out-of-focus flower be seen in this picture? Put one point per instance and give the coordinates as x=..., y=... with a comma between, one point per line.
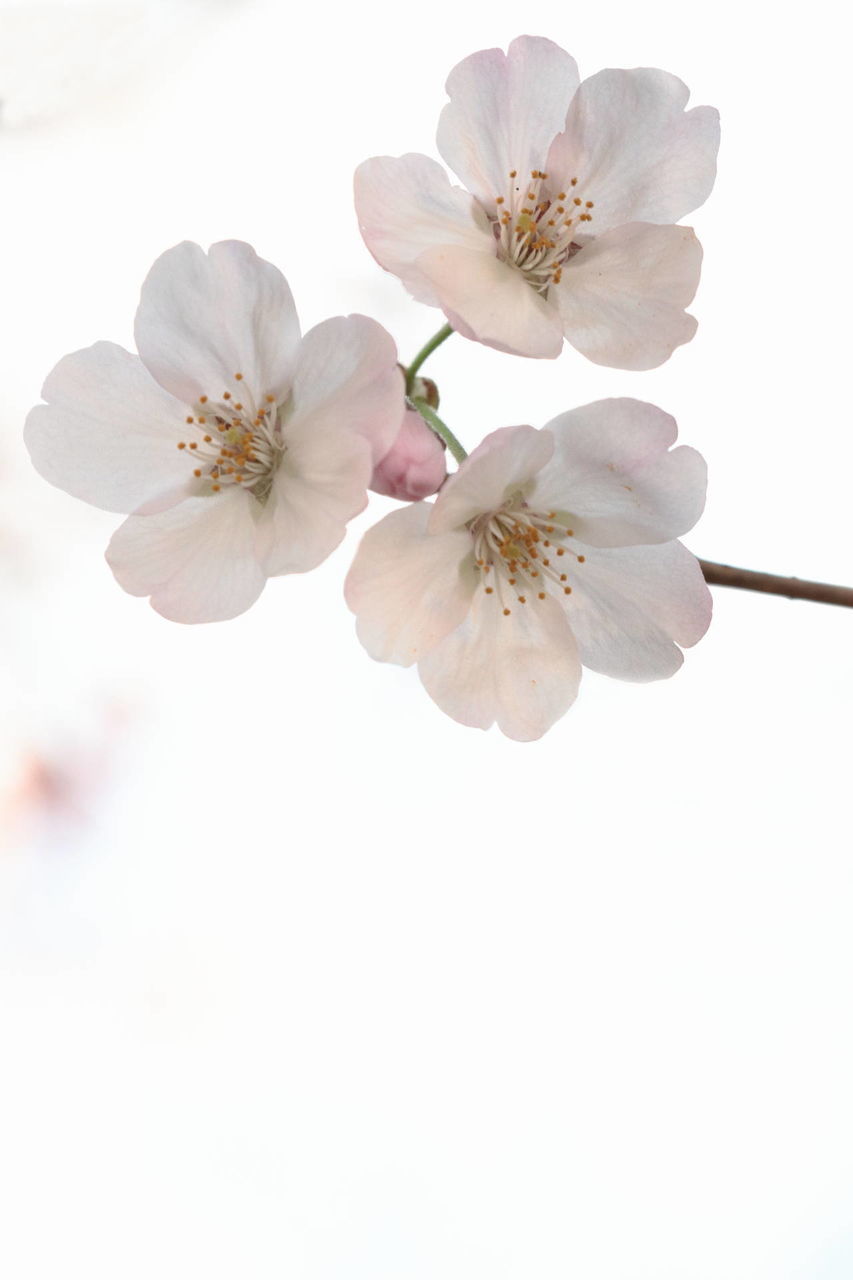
x=415, y=465
x=240, y=449
x=545, y=550
x=567, y=228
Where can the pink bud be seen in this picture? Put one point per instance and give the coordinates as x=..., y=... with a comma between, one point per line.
x=414, y=467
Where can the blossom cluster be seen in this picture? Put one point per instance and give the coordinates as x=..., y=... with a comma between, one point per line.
x=238, y=449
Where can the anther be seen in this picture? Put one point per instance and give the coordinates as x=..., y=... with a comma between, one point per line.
x=507, y=613
x=541, y=595
x=197, y=472
x=183, y=444
x=489, y=590
x=522, y=599
x=567, y=591
x=581, y=559
x=202, y=399
x=226, y=395
x=190, y=420
x=239, y=377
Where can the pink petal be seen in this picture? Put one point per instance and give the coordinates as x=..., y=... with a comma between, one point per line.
x=520, y=670
x=504, y=112
x=490, y=302
x=203, y=318
x=196, y=561
x=613, y=470
x=623, y=296
x=321, y=483
x=346, y=377
x=406, y=205
x=409, y=588
x=636, y=153
x=503, y=464
x=109, y=433
x=416, y=464
x=631, y=607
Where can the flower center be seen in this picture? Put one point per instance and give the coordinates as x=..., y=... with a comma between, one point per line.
x=237, y=441
x=521, y=554
x=535, y=227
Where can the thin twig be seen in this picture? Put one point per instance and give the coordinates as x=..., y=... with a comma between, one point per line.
x=724, y=575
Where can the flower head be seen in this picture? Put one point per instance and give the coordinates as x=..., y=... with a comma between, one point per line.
x=238, y=448
x=546, y=550
x=415, y=465
x=566, y=225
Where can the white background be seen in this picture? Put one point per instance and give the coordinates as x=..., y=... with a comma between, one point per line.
x=299, y=978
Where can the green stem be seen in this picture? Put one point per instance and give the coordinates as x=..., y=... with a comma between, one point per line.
x=425, y=351
x=444, y=433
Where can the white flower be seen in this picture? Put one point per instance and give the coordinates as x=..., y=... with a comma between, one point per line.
x=567, y=229
x=239, y=448
x=545, y=550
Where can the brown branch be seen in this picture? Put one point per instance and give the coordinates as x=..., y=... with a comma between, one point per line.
x=723, y=575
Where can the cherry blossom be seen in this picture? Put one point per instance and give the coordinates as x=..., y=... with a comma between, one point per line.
x=566, y=228
x=415, y=466
x=547, y=550
x=237, y=448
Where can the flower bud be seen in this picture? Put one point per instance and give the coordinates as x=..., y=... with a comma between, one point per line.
x=415, y=465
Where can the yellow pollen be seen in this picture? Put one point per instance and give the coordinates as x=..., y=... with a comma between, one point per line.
x=270, y=399
x=197, y=472
x=193, y=445
x=182, y=445
x=239, y=377
x=226, y=395
x=541, y=595
x=215, y=488
x=208, y=439
x=578, y=200
x=238, y=406
x=202, y=399
x=189, y=420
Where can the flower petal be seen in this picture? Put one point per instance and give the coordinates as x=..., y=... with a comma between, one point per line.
x=623, y=296
x=520, y=670
x=109, y=433
x=409, y=588
x=631, y=606
x=202, y=318
x=636, y=153
x=405, y=205
x=612, y=470
x=415, y=465
x=490, y=302
x=504, y=111
x=504, y=463
x=321, y=483
x=197, y=561
x=347, y=378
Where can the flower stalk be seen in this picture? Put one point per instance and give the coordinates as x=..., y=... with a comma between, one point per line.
x=424, y=354
x=440, y=428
